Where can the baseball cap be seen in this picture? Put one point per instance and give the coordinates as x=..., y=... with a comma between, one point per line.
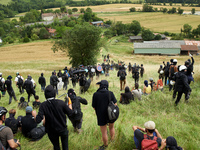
x=29, y=109
x=150, y=125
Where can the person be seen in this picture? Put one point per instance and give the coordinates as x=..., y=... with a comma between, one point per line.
x=19, y=80
x=23, y=104
x=54, y=81
x=137, y=93
x=147, y=88
x=64, y=80
x=122, y=76
x=77, y=119
x=36, y=103
x=152, y=84
x=189, y=66
x=126, y=97
x=42, y=82
x=28, y=122
x=151, y=133
x=171, y=144
x=135, y=73
x=129, y=67
x=82, y=82
x=181, y=85
x=166, y=72
x=59, y=74
x=28, y=85
x=54, y=111
x=73, y=78
x=100, y=102
x=161, y=72
x=33, y=82
x=11, y=122
x=2, y=82
x=172, y=70
x=9, y=88
x=141, y=71
x=6, y=134
x=159, y=84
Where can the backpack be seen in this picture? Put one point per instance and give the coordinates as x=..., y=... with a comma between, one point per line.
x=113, y=110
x=122, y=75
x=148, y=144
x=167, y=70
x=172, y=71
x=1, y=83
x=37, y=133
x=1, y=145
x=20, y=81
x=23, y=105
x=82, y=81
x=76, y=108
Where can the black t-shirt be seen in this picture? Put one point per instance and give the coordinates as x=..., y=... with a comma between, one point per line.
x=36, y=104
x=140, y=136
x=12, y=123
x=100, y=102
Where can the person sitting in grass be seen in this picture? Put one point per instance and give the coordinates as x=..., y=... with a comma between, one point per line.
x=137, y=93
x=171, y=144
x=152, y=84
x=151, y=133
x=160, y=84
x=147, y=88
x=36, y=103
x=23, y=104
x=126, y=97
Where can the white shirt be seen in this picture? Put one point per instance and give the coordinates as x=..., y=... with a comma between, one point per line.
x=2, y=79
x=137, y=93
x=16, y=78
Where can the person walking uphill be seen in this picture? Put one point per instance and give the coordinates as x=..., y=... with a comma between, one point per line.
x=100, y=103
x=122, y=74
x=54, y=111
x=28, y=85
x=54, y=81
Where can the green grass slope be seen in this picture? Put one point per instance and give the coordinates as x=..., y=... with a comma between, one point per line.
x=4, y=2
x=182, y=121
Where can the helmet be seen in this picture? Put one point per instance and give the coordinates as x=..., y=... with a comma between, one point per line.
x=182, y=67
x=161, y=71
x=0, y=74
x=17, y=73
x=3, y=111
x=172, y=82
x=150, y=79
x=175, y=60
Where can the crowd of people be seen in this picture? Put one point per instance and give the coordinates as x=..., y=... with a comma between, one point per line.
x=51, y=117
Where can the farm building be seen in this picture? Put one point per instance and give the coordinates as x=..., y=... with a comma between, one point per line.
x=135, y=38
x=185, y=49
x=157, y=48
x=97, y=23
x=48, y=16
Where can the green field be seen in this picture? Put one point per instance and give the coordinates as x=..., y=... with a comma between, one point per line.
x=4, y=2
x=181, y=122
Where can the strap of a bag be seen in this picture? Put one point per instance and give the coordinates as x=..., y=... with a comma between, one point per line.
x=2, y=127
x=109, y=96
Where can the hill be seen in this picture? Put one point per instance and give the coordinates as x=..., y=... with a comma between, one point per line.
x=181, y=122
x=4, y=2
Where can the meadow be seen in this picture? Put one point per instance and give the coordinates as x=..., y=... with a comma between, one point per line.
x=182, y=121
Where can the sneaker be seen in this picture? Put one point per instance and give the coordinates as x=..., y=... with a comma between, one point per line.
x=102, y=147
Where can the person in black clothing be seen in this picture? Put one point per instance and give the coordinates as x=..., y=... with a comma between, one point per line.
x=171, y=144
x=23, y=104
x=189, y=66
x=181, y=84
x=100, y=102
x=42, y=82
x=82, y=82
x=73, y=78
x=54, y=81
x=36, y=103
x=135, y=73
x=122, y=74
x=65, y=80
x=54, y=111
x=28, y=85
x=141, y=71
x=126, y=97
x=77, y=119
x=129, y=67
x=12, y=122
x=8, y=87
x=59, y=74
x=28, y=122
x=161, y=72
x=166, y=71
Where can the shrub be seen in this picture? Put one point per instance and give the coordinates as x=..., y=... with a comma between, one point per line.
x=158, y=37
x=34, y=37
x=26, y=39
x=132, y=9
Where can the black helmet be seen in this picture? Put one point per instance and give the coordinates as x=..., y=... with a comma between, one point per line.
x=3, y=111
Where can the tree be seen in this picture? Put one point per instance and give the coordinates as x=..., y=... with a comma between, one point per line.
x=147, y=8
x=158, y=37
x=87, y=16
x=74, y=9
x=69, y=11
x=82, y=44
x=2, y=32
x=173, y=10
x=44, y=34
x=82, y=10
x=164, y=10
x=180, y=11
x=88, y=10
x=187, y=29
x=193, y=11
x=63, y=9
x=147, y=35
x=135, y=27
x=132, y=9
x=170, y=3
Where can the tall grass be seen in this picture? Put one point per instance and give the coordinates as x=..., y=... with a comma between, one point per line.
x=182, y=121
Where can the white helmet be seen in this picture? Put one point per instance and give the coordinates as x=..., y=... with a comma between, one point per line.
x=172, y=82
x=161, y=71
x=0, y=74
x=174, y=60
x=182, y=67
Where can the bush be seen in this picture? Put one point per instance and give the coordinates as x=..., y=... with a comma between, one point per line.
x=26, y=39
x=132, y=9
x=34, y=37
x=166, y=33
x=158, y=37
x=44, y=34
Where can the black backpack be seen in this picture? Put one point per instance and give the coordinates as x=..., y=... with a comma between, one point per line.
x=122, y=75
x=23, y=105
x=82, y=81
x=167, y=70
x=76, y=108
x=113, y=110
x=20, y=81
x=37, y=133
x=1, y=83
x=172, y=71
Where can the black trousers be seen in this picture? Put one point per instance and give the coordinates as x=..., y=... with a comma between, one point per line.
x=54, y=138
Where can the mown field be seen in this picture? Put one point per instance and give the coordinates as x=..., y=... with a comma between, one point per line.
x=181, y=122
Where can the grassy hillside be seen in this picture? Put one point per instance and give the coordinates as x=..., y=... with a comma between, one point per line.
x=181, y=122
x=4, y=2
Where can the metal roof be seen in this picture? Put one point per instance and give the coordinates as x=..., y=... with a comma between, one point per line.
x=97, y=22
x=139, y=37
x=181, y=42
x=189, y=48
x=156, y=45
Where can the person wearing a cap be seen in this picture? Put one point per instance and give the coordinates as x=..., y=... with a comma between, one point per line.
x=9, y=88
x=172, y=70
x=6, y=134
x=28, y=122
x=181, y=85
x=151, y=131
x=2, y=80
x=54, y=111
x=100, y=103
x=21, y=90
x=42, y=82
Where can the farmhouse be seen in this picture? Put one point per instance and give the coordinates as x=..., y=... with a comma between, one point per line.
x=157, y=48
x=97, y=23
x=51, y=31
x=135, y=38
x=48, y=16
x=185, y=49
